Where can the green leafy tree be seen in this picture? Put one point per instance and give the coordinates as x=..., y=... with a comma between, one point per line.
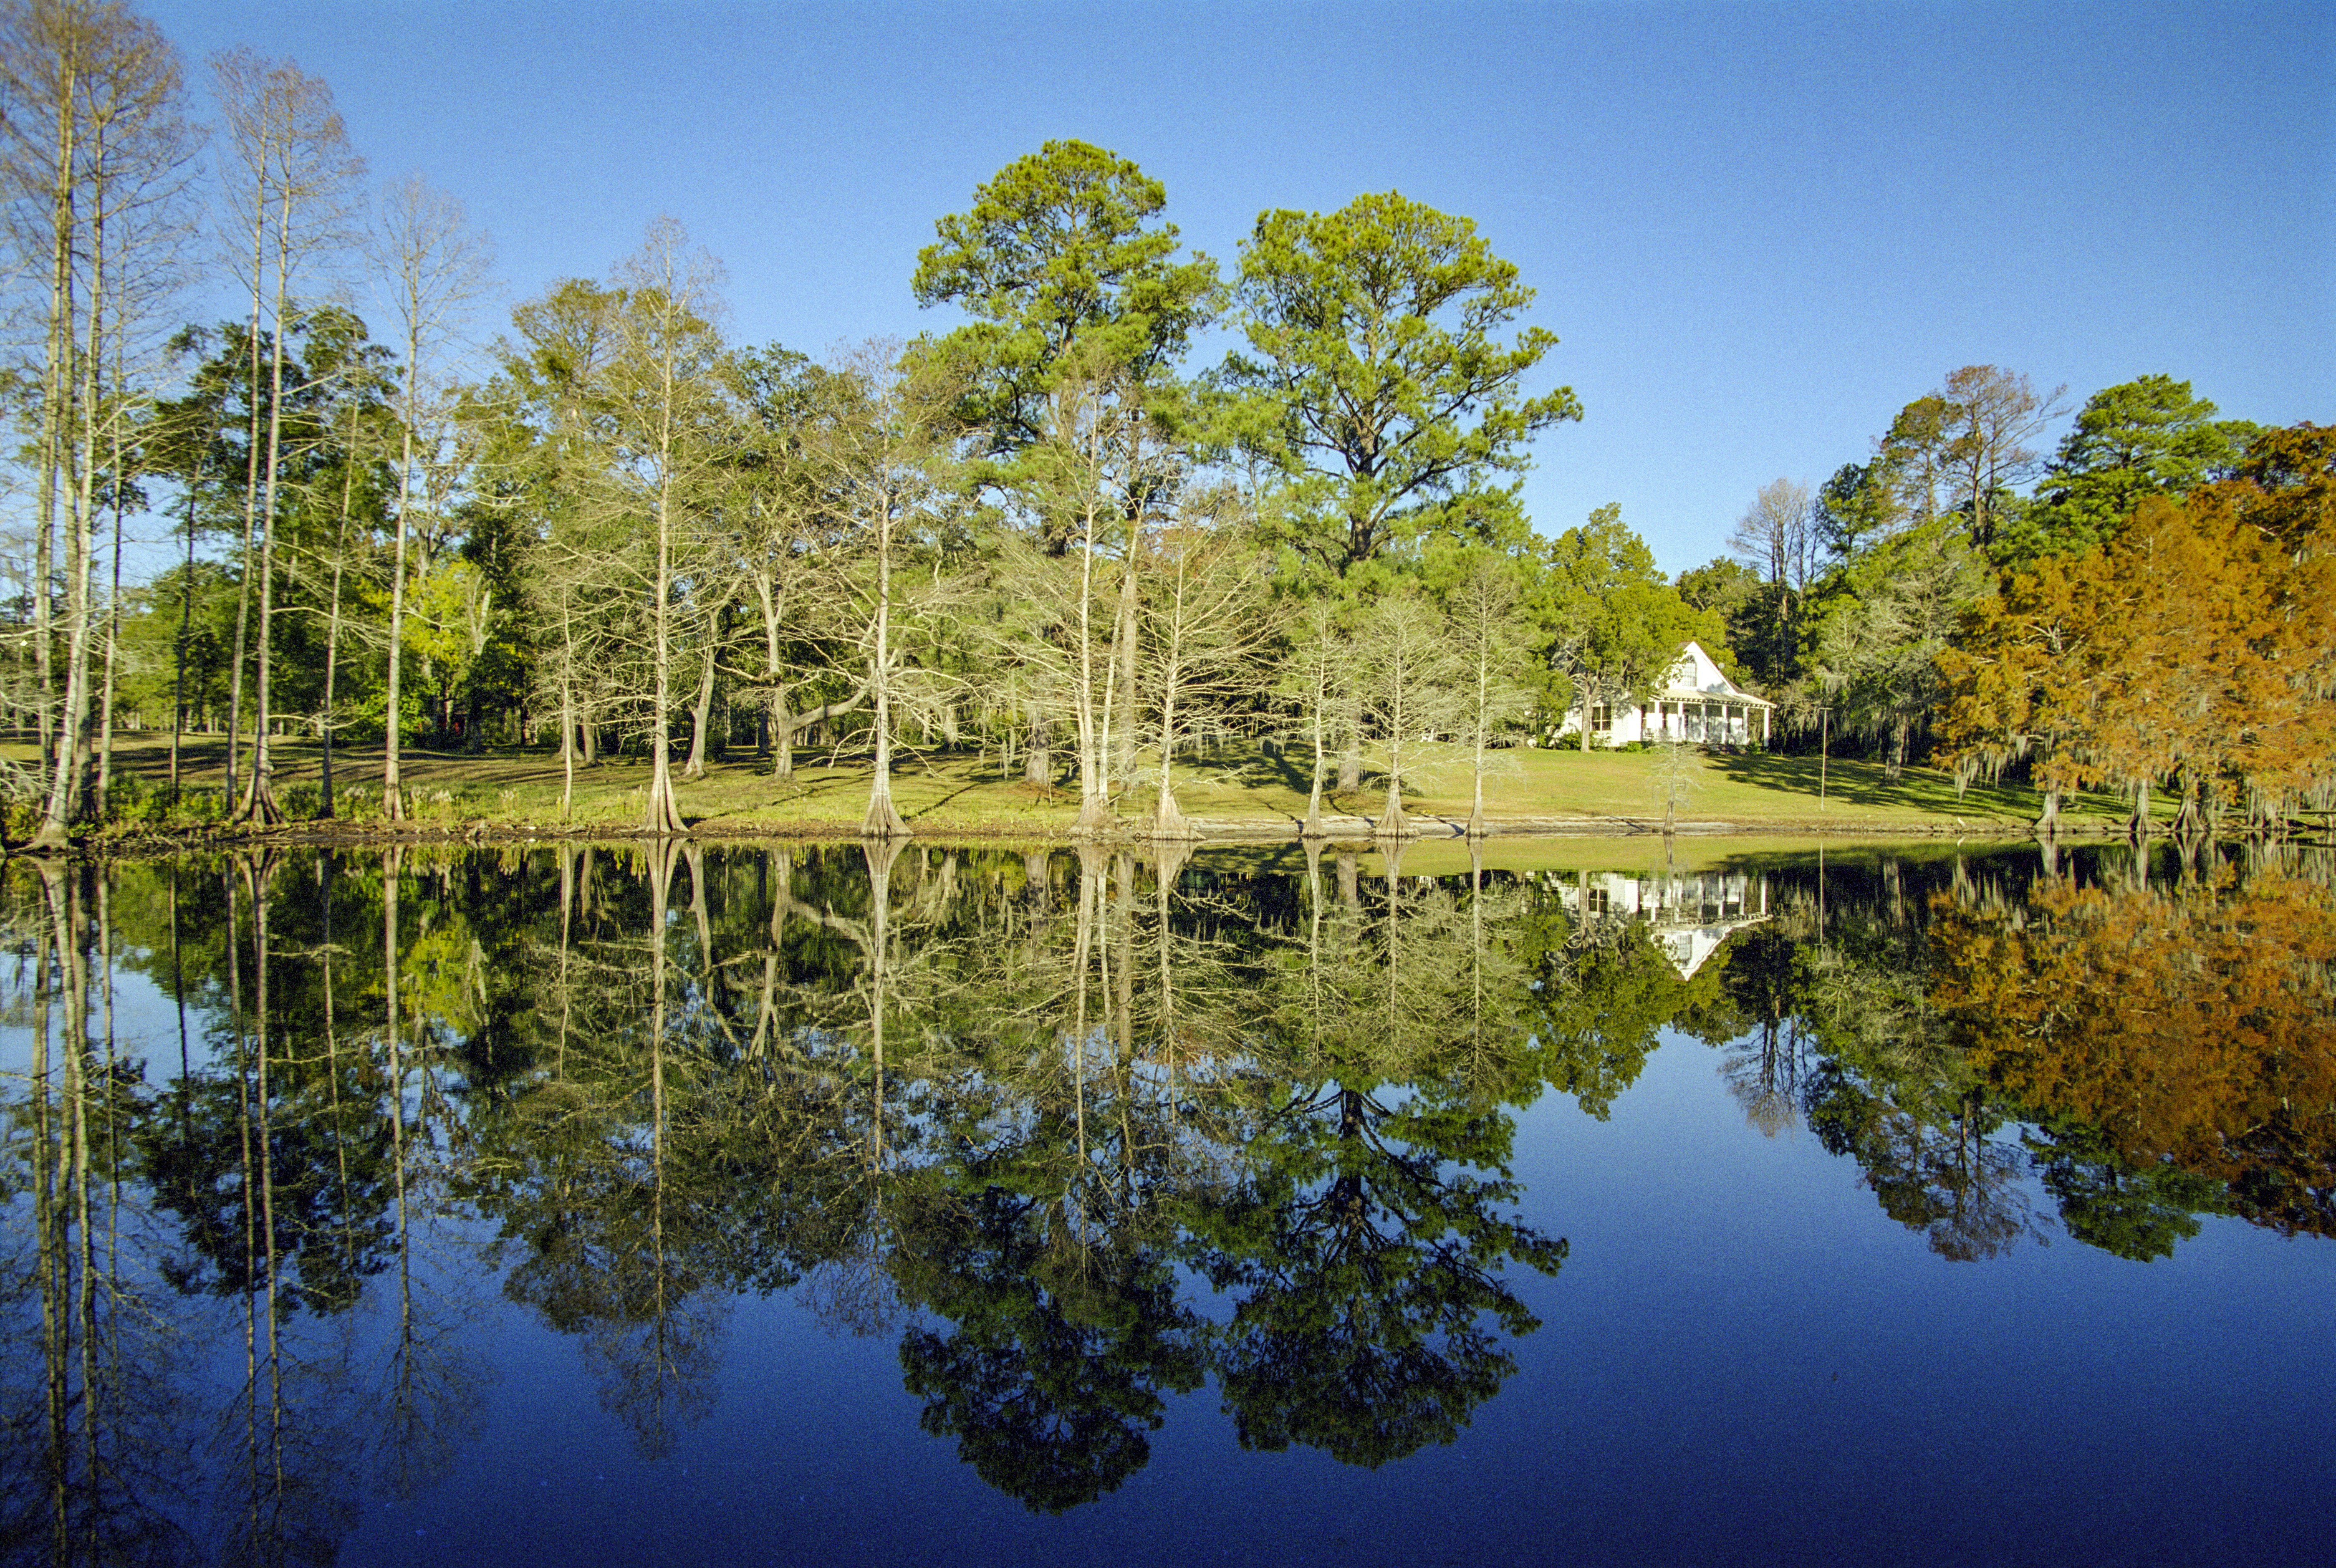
x=1877, y=627
x=2147, y=437
x=1375, y=375
x=1616, y=626
x=1062, y=247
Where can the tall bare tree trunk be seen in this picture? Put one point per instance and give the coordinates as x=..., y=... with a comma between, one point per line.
x=186, y=630
x=250, y=476
x=1123, y=759
x=702, y=708
x=1094, y=804
x=884, y=820
x=664, y=813
x=259, y=807
x=55, y=381
x=68, y=773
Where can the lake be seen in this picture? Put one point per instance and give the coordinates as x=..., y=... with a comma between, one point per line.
x=1572, y=1202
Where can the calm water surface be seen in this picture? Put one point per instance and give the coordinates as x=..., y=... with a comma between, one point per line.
x=823, y=1205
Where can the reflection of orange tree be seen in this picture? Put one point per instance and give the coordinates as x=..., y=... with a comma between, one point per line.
x=2192, y=1025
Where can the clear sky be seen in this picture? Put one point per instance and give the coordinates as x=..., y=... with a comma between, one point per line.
x=1757, y=230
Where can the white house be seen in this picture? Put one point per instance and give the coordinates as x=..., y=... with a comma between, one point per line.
x=1697, y=704
x=1688, y=917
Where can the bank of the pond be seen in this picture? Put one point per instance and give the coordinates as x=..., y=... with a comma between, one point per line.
x=1244, y=792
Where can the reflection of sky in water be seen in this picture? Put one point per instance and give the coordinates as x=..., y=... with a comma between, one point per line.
x=1742, y=1359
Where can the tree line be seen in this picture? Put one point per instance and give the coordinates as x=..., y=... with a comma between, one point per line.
x=1051, y=534
x=2153, y=609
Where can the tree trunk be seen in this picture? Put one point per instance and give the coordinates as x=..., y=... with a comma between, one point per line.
x=1167, y=817
x=113, y=630
x=1314, y=828
x=64, y=228
x=259, y=807
x=1825, y=752
x=664, y=813
x=324, y=718
x=1039, y=762
x=1122, y=762
x=2190, y=821
x=1392, y=821
x=68, y=776
x=1476, y=801
x=884, y=820
x=2048, y=824
x=1093, y=717
x=568, y=743
x=699, y=712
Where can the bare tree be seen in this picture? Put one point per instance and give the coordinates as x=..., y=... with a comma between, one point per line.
x=296, y=173
x=435, y=267
x=1773, y=536
x=1408, y=679
x=1488, y=640
x=1991, y=415
x=882, y=445
x=1093, y=478
x=1776, y=537
x=1314, y=678
x=95, y=149
x=661, y=416
x=791, y=528
x=1207, y=617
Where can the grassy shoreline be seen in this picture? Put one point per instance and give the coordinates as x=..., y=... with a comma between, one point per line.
x=1238, y=794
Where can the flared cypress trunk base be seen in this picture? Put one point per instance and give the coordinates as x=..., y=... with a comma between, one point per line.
x=884, y=820
x=1167, y=823
x=1393, y=823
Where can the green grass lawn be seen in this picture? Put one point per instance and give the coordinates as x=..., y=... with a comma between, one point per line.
x=1243, y=787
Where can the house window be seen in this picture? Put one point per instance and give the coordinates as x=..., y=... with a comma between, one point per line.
x=1601, y=901
x=1602, y=718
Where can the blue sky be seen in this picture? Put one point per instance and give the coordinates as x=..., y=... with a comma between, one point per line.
x=1757, y=230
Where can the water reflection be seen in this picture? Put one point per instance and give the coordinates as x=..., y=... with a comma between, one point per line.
x=1079, y=1132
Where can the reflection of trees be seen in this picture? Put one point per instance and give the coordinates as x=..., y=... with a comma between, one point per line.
x=87, y=1408
x=1016, y=1111
x=1892, y=1091
x=612, y=1239
x=2190, y=1024
x=1602, y=993
x=1061, y=1344
x=1032, y=1230
x=1364, y=1243
x=1769, y=1057
x=2133, y=1209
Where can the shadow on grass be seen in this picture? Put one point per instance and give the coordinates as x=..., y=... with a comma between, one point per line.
x=1863, y=784
x=1291, y=769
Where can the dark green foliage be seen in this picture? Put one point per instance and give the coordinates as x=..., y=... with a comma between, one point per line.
x=2147, y=437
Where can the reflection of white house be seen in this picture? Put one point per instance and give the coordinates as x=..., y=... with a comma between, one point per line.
x=1690, y=915
x=1697, y=704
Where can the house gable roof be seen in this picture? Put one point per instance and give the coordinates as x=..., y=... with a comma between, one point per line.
x=1697, y=673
